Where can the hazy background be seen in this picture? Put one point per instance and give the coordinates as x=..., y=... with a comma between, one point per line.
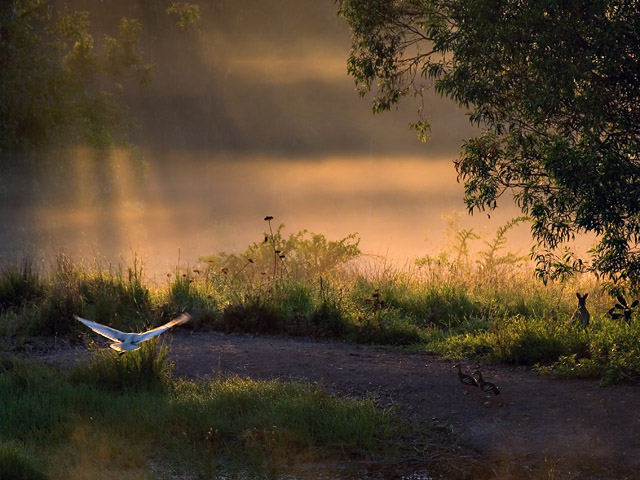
x=253, y=115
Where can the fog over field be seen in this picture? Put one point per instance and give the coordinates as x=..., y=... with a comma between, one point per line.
x=252, y=115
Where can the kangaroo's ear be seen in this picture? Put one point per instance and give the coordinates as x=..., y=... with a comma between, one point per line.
x=586, y=295
x=578, y=295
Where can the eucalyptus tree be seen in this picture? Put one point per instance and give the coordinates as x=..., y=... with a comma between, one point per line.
x=554, y=87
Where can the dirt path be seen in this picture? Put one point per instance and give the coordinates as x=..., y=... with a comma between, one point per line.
x=569, y=426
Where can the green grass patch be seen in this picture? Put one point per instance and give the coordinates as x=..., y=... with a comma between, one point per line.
x=76, y=426
x=612, y=355
x=147, y=368
x=515, y=340
x=16, y=463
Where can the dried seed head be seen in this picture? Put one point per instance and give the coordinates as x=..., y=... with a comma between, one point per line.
x=267, y=218
x=250, y=260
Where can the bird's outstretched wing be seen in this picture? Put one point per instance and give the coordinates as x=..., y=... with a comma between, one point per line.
x=184, y=318
x=110, y=333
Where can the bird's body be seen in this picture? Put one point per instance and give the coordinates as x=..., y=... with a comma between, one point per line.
x=487, y=387
x=466, y=380
x=126, y=342
x=581, y=313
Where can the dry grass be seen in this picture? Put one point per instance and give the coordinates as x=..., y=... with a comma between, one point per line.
x=483, y=306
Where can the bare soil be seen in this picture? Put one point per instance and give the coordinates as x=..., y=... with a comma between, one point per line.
x=544, y=427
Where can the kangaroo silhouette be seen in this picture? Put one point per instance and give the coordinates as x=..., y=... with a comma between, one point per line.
x=581, y=312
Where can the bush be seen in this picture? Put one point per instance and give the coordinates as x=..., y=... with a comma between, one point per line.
x=302, y=256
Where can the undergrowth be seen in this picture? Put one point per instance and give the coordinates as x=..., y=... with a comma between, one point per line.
x=483, y=306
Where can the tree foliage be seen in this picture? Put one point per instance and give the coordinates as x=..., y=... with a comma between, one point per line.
x=555, y=89
x=62, y=83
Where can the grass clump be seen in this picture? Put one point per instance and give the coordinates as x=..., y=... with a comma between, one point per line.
x=20, y=283
x=147, y=368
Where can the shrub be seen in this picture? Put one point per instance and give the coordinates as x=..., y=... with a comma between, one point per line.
x=301, y=256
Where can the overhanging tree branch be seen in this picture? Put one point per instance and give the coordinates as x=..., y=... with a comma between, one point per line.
x=556, y=88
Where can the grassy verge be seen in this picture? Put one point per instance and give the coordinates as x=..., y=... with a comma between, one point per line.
x=483, y=307
x=97, y=422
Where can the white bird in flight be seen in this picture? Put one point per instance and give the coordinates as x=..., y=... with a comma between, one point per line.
x=126, y=342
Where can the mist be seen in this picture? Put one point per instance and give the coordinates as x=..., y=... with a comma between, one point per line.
x=252, y=115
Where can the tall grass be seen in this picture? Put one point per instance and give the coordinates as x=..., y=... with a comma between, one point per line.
x=76, y=428
x=16, y=463
x=114, y=294
x=20, y=282
x=147, y=368
x=485, y=306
